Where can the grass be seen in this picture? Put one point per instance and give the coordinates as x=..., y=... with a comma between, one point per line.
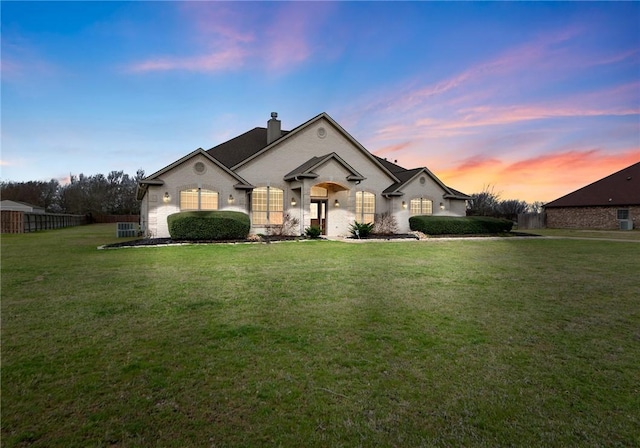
x=516, y=342
x=633, y=235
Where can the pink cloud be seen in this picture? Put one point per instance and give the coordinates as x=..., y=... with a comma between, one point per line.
x=10, y=68
x=539, y=178
x=514, y=60
x=232, y=38
x=220, y=21
x=228, y=59
x=493, y=116
x=287, y=36
x=20, y=61
x=392, y=148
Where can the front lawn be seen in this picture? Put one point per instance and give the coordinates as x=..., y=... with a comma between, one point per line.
x=515, y=342
x=629, y=235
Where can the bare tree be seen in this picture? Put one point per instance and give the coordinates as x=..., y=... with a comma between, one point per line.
x=484, y=203
x=536, y=207
x=97, y=194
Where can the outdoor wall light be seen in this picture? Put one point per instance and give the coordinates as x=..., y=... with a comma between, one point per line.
x=231, y=199
x=166, y=197
x=404, y=204
x=336, y=204
x=441, y=206
x=293, y=202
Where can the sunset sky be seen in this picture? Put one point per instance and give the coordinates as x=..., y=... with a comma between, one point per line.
x=534, y=100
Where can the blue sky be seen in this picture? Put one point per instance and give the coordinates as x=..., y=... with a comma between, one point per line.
x=532, y=99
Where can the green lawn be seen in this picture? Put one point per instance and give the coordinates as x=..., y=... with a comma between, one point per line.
x=627, y=235
x=511, y=342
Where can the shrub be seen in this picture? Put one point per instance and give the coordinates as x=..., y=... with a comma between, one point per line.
x=313, y=232
x=209, y=225
x=449, y=225
x=361, y=229
x=385, y=224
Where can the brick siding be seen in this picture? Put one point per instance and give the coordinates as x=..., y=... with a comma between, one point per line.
x=604, y=218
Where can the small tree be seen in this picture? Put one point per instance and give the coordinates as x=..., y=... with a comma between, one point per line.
x=511, y=208
x=484, y=203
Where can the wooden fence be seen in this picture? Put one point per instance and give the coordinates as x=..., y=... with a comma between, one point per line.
x=12, y=222
x=21, y=222
x=532, y=221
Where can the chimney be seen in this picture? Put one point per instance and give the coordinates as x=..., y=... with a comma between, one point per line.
x=273, y=128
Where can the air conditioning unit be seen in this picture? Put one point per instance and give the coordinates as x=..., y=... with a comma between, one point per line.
x=127, y=229
x=626, y=224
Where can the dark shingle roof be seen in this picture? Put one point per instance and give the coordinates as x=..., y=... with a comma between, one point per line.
x=239, y=148
x=404, y=176
x=618, y=189
x=390, y=166
x=458, y=194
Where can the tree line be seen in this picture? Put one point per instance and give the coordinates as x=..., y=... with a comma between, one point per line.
x=488, y=203
x=113, y=194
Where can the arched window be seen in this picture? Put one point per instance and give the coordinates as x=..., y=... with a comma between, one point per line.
x=198, y=199
x=421, y=206
x=365, y=206
x=267, y=205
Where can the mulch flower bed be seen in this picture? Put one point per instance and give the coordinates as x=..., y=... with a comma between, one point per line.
x=269, y=239
x=167, y=241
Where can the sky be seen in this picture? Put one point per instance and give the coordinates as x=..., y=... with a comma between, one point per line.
x=530, y=100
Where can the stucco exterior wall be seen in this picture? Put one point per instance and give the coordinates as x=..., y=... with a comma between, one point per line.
x=604, y=218
x=429, y=189
x=269, y=169
x=307, y=144
x=184, y=177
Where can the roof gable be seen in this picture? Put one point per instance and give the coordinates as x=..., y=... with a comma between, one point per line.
x=307, y=168
x=153, y=179
x=306, y=125
x=618, y=189
x=408, y=176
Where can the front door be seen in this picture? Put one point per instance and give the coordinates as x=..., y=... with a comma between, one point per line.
x=319, y=214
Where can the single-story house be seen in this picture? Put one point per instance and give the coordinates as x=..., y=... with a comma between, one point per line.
x=609, y=203
x=17, y=206
x=316, y=173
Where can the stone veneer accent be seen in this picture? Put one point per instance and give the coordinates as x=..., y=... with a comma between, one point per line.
x=604, y=218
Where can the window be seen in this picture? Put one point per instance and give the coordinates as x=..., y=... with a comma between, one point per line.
x=198, y=199
x=267, y=205
x=421, y=206
x=365, y=206
x=623, y=214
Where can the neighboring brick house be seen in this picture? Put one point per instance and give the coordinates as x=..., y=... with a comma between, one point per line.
x=609, y=203
x=316, y=173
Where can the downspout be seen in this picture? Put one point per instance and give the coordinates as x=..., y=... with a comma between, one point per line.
x=301, y=212
x=146, y=218
x=301, y=208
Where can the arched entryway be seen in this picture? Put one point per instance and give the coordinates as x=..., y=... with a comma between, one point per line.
x=324, y=203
